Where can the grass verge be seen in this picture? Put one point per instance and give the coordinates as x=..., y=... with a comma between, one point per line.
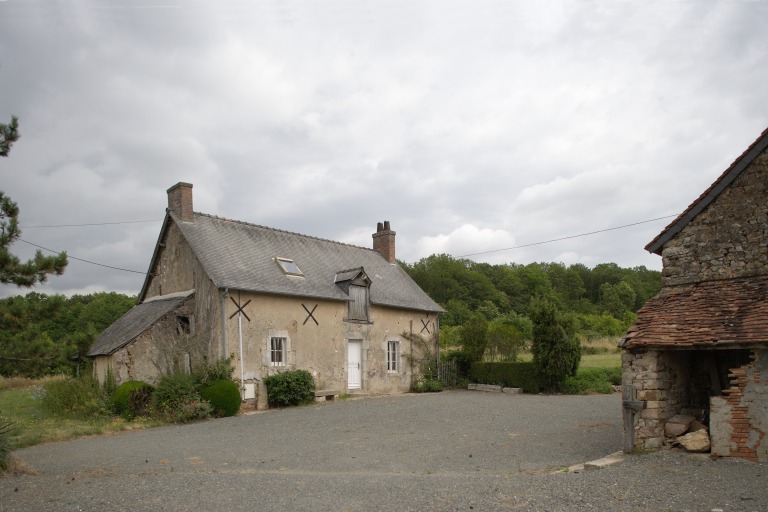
x=32, y=426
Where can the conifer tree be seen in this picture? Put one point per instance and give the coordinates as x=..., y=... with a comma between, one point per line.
x=556, y=351
x=12, y=270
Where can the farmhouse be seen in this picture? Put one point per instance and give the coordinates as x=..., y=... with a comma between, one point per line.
x=275, y=301
x=698, y=353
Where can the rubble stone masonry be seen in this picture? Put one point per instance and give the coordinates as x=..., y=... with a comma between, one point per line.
x=729, y=238
x=659, y=379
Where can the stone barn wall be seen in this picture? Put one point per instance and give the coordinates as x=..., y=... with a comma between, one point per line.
x=729, y=238
x=660, y=380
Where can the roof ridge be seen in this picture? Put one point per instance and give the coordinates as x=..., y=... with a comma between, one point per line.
x=709, y=194
x=252, y=224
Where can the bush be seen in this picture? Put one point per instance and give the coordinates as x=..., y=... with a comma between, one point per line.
x=122, y=399
x=593, y=380
x=71, y=396
x=207, y=372
x=224, y=397
x=512, y=375
x=177, y=400
x=423, y=385
x=294, y=387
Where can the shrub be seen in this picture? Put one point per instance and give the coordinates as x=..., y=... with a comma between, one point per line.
x=592, y=380
x=513, y=375
x=177, y=400
x=424, y=385
x=70, y=396
x=187, y=408
x=207, y=372
x=224, y=397
x=123, y=400
x=294, y=387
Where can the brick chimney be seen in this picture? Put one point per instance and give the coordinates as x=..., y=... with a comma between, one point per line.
x=384, y=241
x=180, y=201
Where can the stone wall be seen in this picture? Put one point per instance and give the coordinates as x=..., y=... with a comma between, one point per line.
x=738, y=423
x=729, y=238
x=659, y=380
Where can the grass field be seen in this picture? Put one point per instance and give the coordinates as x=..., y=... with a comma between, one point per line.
x=612, y=360
x=19, y=406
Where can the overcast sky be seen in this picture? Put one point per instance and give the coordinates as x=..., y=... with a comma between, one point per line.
x=471, y=126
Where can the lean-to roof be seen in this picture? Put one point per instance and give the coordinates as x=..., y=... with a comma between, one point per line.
x=137, y=320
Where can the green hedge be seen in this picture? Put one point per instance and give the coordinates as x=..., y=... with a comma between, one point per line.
x=510, y=375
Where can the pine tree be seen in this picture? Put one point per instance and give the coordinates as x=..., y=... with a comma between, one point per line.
x=12, y=270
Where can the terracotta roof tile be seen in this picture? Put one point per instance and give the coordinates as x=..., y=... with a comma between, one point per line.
x=725, y=313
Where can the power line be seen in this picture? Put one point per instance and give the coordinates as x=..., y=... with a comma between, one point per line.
x=80, y=259
x=463, y=256
x=91, y=224
x=568, y=237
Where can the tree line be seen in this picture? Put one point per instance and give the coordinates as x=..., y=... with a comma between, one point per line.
x=489, y=307
x=48, y=334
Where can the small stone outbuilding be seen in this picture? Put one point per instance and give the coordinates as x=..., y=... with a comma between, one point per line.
x=699, y=348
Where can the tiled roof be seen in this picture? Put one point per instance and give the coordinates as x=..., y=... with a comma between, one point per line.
x=709, y=195
x=728, y=313
x=241, y=256
x=137, y=320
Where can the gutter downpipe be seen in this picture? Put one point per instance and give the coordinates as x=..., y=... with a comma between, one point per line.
x=240, y=340
x=224, y=296
x=437, y=337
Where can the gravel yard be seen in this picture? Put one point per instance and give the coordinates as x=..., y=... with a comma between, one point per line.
x=457, y=450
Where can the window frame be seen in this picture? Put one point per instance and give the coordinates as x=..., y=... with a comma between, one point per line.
x=284, y=262
x=393, y=356
x=282, y=350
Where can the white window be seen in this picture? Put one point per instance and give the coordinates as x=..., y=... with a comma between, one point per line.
x=393, y=356
x=277, y=351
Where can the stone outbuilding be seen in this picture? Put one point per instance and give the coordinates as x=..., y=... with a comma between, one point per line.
x=274, y=301
x=699, y=348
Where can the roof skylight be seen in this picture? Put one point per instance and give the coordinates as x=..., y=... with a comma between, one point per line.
x=289, y=267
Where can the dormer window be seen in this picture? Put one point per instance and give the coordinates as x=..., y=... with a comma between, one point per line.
x=289, y=267
x=357, y=285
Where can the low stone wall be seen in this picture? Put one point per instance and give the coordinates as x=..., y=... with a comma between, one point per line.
x=495, y=389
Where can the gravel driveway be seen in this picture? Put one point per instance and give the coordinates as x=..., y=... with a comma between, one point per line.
x=457, y=450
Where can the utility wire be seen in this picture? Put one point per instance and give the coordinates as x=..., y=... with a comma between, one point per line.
x=80, y=259
x=568, y=237
x=464, y=256
x=91, y=224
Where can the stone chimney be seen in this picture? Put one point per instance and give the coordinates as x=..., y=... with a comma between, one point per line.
x=180, y=201
x=384, y=241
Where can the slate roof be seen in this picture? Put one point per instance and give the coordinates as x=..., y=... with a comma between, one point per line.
x=709, y=195
x=241, y=256
x=137, y=320
x=714, y=314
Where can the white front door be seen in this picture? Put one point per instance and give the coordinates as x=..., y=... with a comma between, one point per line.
x=354, y=364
